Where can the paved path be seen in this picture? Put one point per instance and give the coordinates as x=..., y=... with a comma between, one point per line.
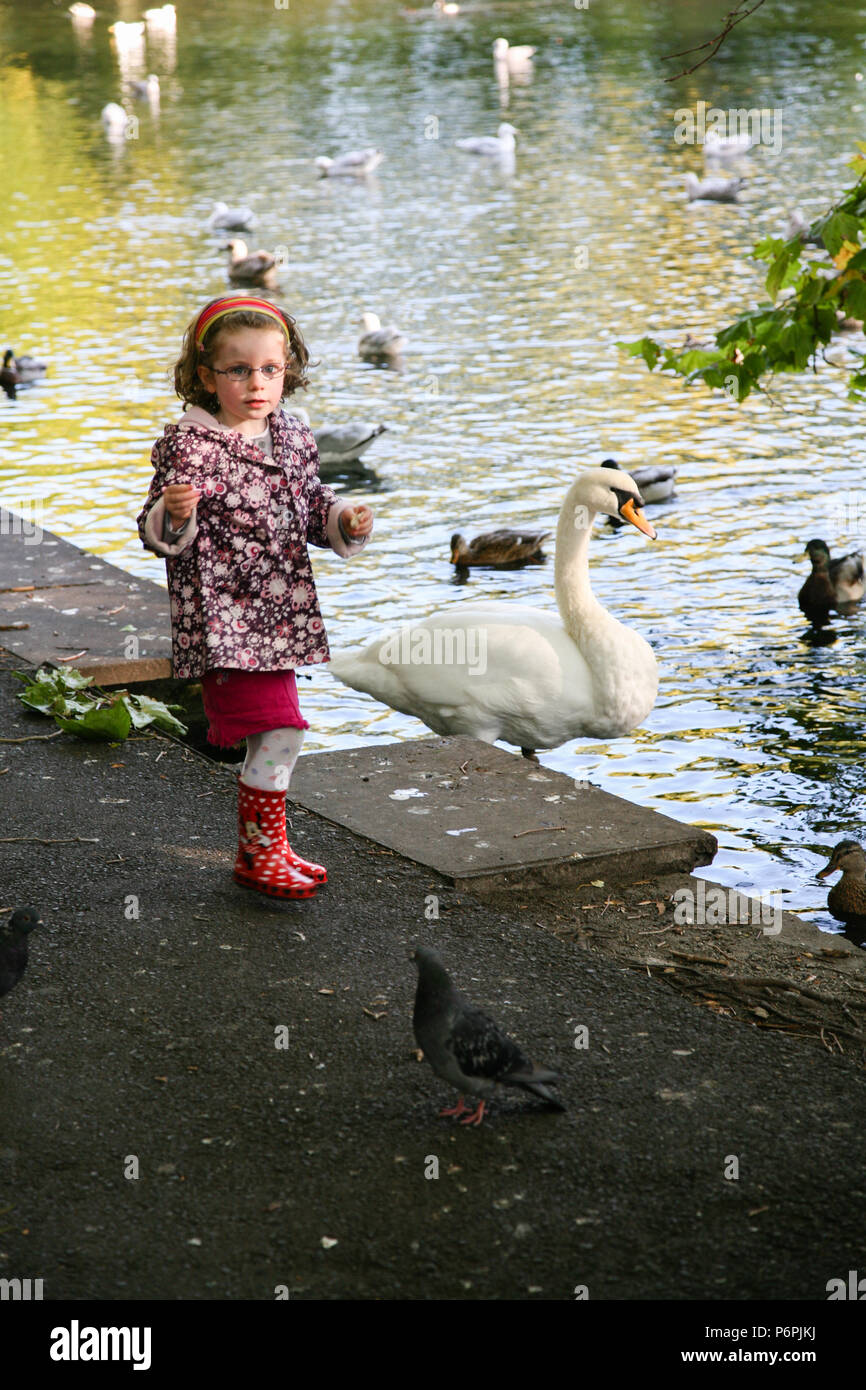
x=155, y=1038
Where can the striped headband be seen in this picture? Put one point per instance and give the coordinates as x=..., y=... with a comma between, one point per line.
x=235, y=304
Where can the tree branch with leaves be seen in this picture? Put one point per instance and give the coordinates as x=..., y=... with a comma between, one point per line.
x=787, y=334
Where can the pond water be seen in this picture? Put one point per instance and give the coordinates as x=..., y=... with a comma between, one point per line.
x=513, y=289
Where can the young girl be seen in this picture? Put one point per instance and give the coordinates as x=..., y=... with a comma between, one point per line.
x=234, y=500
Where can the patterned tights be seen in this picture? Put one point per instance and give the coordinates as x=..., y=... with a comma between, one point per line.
x=271, y=758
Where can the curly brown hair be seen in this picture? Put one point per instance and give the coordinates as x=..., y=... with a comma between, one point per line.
x=187, y=382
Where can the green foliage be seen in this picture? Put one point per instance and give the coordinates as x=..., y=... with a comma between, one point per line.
x=93, y=713
x=822, y=287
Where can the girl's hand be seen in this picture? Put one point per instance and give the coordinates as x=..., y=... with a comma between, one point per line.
x=357, y=521
x=180, y=500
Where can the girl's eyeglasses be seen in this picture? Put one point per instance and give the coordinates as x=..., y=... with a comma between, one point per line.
x=244, y=373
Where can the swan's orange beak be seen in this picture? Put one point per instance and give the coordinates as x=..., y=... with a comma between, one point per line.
x=629, y=511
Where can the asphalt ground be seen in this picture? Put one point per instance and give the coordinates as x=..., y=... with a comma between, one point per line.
x=143, y=1040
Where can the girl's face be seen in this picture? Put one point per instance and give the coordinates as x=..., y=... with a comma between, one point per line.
x=245, y=405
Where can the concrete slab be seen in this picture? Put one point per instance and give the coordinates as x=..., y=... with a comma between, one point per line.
x=486, y=819
x=63, y=606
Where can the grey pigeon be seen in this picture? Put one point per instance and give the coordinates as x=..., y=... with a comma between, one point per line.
x=13, y=946
x=466, y=1047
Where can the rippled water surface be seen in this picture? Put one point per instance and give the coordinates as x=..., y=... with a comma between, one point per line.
x=512, y=380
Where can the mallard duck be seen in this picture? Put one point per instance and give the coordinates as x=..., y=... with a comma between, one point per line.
x=26, y=369
x=834, y=585
x=515, y=59
x=655, y=483
x=498, y=146
x=354, y=164
x=245, y=268
x=226, y=219
x=9, y=380
x=713, y=190
x=502, y=670
x=501, y=550
x=847, y=898
x=377, y=343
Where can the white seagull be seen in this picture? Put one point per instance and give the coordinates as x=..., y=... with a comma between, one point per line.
x=114, y=119
x=165, y=17
x=719, y=147
x=498, y=146
x=376, y=342
x=353, y=165
x=147, y=89
x=250, y=268
x=124, y=33
x=224, y=218
x=339, y=444
x=514, y=59
x=713, y=190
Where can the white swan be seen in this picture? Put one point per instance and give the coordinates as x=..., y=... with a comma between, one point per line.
x=506, y=671
x=82, y=14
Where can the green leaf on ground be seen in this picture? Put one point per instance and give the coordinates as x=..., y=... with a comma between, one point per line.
x=109, y=724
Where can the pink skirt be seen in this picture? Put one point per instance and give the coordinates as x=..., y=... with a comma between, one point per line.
x=238, y=703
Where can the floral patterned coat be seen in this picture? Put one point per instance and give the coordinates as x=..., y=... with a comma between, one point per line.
x=240, y=581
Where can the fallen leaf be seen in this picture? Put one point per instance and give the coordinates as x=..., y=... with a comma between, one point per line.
x=371, y=1014
x=328, y=1243
x=326, y=991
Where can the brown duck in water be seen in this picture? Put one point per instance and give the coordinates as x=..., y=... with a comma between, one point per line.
x=501, y=550
x=834, y=585
x=847, y=898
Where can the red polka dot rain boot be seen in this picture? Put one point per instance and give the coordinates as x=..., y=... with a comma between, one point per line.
x=261, y=861
x=317, y=872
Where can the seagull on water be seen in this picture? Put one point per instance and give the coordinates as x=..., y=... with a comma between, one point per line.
x=354, y=164
x=498, y=146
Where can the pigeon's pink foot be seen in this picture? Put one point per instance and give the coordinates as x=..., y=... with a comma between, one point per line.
x=459, y=1109
x=476, y=1117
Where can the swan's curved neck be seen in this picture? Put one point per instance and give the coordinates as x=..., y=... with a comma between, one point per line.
x=578, y=607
